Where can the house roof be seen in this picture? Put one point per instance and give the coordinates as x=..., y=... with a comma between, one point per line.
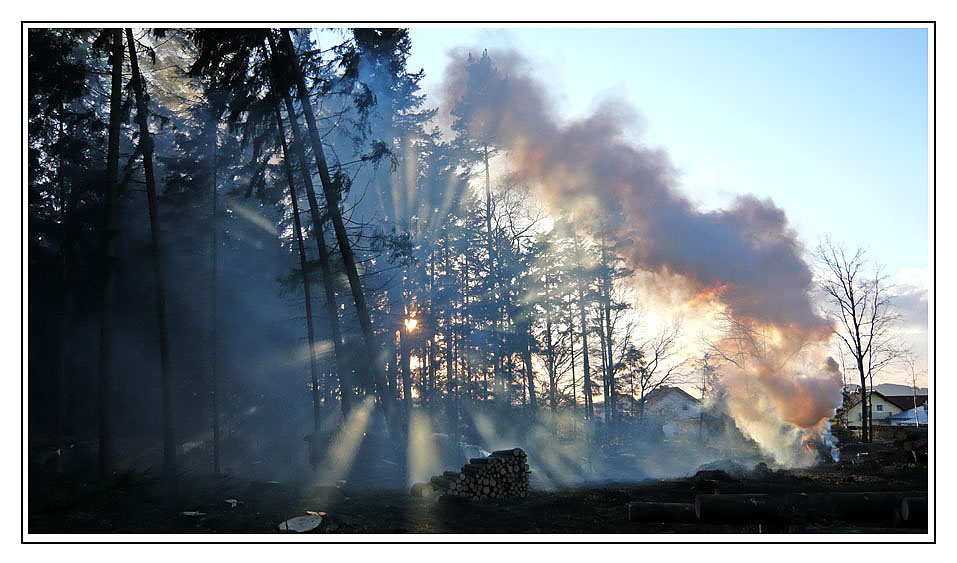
x=903, y=402
x=663, y=391
x=906, y=402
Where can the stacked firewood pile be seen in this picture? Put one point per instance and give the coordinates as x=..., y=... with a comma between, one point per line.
x=911, y=445
x=503, y=474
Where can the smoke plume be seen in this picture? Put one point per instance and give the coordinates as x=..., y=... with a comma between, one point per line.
x=746, y=257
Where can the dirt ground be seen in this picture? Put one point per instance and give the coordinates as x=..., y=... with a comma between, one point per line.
x=134, y=503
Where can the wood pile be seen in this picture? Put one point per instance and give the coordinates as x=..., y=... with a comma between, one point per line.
x=504, y=474
x=911, y=445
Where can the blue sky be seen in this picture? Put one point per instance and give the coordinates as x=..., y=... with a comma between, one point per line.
x=829, y=123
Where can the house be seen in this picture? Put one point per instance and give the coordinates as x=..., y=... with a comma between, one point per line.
x=671, y=409
x=883, y=408
x=671, y=403
x=678, y=411
x=664, y=403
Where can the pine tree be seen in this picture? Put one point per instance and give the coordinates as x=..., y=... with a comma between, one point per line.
x=106, y=436
x=332, y=205
x=146, y=151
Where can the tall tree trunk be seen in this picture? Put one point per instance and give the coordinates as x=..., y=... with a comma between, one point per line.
x=465, y=338
x=64, y=388
x=405, y=349
x=342, y=237
x=465, y=348
x=571, y=346
x=870, y=405
x=604, y=369
x=527, y=360
x=430, y=345
x=346, y=384
x=606, y=305
x=307, y=293
x=214, y=316
x=105, y=445
x=450, y=376
x=451, y=411
x=589, y=407
x=146, y=144
x=493, y=264
x=913, y=377
x=865, y=402
x=392, y=367
x=405, y=346
x=429, y=387
x=550, y=350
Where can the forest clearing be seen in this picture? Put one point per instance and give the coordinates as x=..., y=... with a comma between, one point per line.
x=281, y=278
x=135, y=504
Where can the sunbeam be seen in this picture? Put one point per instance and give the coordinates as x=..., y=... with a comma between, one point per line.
x=345, y=445
x=423, y=454
x=252, y=216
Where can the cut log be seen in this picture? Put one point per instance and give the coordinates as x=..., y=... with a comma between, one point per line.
x=440, y=482
x=859, y=529
x=514, y=452
x=913, y=512
x=740, y=508
x=661, y=512
x=854, y=507
x=422, y=490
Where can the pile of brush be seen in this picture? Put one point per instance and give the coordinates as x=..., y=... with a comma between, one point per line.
x=503, y=474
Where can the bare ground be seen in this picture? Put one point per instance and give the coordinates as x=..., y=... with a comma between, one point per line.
x=136, y=503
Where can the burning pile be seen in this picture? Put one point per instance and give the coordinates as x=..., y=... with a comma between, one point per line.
x=503, y=474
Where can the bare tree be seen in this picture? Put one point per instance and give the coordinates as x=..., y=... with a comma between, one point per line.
x=710, y=385
x=859, y=303
x=846, y=395
x=653, y=365
x=743, y=344
x=909, y=358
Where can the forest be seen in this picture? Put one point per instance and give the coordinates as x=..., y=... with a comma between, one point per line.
x=265, y=255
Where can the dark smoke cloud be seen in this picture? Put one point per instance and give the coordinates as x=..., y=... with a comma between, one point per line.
x=746, y=255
